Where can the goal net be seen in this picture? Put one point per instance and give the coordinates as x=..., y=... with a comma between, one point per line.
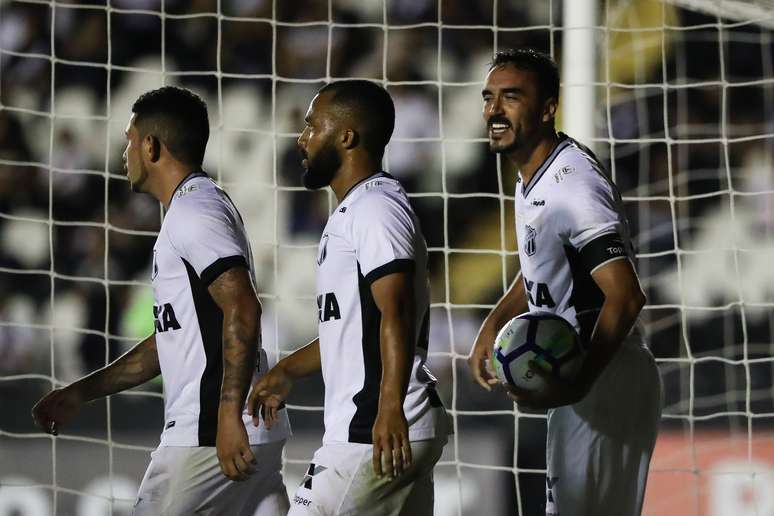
x=679, y=99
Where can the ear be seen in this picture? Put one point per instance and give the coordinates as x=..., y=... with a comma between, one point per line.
x=349, y=139
x=549, y=109
x=152, y=148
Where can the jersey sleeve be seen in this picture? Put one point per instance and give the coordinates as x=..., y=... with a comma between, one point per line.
x=209, y=240
x=590, y=222
x=383, y=233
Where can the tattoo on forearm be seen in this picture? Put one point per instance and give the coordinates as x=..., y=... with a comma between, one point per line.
x=240, y=334
x=135, y=367
x=238, y=361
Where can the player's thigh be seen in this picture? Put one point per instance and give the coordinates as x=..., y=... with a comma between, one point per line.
x=625, y=401
x=598, y=451
x=409, y=494
x=154, y=485
x=421, y=498
x=264, y=493
x=327, y=478
x=188, y=480
x=178, y=481
x=198, y=485
x=341, y=482
x=205, y=490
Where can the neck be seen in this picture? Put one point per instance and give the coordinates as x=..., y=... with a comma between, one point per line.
x=172, y=174
x=354, y=168
x=529, y=159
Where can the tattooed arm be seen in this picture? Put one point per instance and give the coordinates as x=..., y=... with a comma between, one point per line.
x=233, y=292
x=133, y=368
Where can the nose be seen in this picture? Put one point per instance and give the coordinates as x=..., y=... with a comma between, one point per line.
x=494, y=107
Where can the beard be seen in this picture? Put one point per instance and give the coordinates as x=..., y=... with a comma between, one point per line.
x=499, y=147
x=502, y=146
x=321, y=169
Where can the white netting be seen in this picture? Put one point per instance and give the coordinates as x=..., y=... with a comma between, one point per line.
x=684, y=100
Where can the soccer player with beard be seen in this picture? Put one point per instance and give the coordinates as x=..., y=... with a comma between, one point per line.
x=576, y=261
x=385, y=427
x=212, y=459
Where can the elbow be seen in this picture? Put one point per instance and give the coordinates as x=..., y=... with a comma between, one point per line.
x=245, y=314
x=637, y=301
x=251, y=307
x=628, y=303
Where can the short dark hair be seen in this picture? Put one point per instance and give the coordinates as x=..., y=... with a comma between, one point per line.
x=533, y=61
x=177, y=117
x=370, y=105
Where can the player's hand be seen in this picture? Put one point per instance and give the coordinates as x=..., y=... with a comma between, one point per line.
x=479, y=360
x=555, y=392
x=392, y=448
x=233, y=448
x=268, y=395
x=56, y=409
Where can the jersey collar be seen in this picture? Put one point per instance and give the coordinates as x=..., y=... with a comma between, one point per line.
x=564, y=141
x=365, y=180
x=191, y=175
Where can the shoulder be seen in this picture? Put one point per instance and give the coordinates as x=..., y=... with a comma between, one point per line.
x=380, y=197
x=198, y=200
x=200, y=212
x=575, y=174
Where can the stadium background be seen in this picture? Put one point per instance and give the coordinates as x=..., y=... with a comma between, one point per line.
x=683, y=116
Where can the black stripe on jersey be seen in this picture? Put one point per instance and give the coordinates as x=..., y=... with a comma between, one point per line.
x=586, y=296
x=367, y=399
x=210, y=319
x=601, y=250
x=220, y=266
x=564, y=142
x=397, y=265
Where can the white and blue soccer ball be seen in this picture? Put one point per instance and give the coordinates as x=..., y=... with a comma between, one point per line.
x=542, y=337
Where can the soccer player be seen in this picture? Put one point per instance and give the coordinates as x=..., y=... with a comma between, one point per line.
x=211, y=459
x=577, y=262
x=385, y=427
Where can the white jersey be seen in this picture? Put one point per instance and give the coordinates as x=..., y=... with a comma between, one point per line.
x=201, y=237
x=569, y=221
x=372, y=233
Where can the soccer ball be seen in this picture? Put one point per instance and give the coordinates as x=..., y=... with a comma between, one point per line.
x=542, y=337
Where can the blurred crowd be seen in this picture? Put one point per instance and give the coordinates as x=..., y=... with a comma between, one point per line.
x=75, y=244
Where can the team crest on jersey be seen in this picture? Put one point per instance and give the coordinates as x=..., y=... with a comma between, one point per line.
x=529, y=245
x=323, y=251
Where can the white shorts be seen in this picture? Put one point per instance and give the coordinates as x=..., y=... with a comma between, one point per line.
x=598, y=450
x=341, y=481
x=183, y=480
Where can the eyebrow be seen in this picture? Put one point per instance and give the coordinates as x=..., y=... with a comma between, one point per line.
x=512, y=89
